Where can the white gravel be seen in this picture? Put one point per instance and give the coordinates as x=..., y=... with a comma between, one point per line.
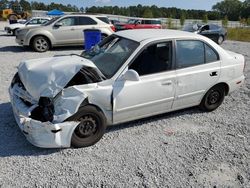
x=187, y=148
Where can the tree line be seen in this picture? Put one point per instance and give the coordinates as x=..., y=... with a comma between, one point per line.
x=228, y=9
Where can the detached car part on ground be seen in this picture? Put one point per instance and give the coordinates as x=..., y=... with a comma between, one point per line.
x=63, y=31
x=216, y=33
x=70, y=100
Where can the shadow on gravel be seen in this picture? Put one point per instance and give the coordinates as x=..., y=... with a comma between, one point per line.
x=140, y=122
x=27, y=49
x=13, y=142
x=15, y=49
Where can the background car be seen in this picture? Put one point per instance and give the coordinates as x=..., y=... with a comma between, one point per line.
x=68, y=101
x=63, y=31
x=139, y=24
x=12, y=28
x=212, y=31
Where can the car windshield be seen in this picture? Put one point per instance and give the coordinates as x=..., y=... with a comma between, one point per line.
x=25, y=22
x=111, y=54
x=50, y=21
x=132, y=21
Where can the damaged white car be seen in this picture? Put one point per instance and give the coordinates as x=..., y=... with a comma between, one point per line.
x=70, y=100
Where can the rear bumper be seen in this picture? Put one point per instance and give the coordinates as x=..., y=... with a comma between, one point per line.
x=41, y=134
x=236, y=83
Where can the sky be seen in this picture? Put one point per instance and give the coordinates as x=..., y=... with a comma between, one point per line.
x=184, y=4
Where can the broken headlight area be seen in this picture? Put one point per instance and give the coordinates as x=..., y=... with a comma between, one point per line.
x=44, y=111
x=86, y=75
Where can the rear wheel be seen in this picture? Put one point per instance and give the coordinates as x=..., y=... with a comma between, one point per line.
x=40, y=44
x=91, y=128
x=213, y=98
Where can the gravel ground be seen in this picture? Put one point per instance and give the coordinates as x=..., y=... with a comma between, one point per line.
x=187, y=148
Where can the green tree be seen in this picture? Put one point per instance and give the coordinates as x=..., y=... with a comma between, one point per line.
x=147, y=13
x=230, y=8
x=169, y=23
x=225, y=22
x=25, y=5
x=182, y=19
x=3, y=4
x=204, y=18
x=248, y=21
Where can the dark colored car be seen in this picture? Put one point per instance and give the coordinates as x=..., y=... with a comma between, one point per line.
x=139, y=24
x=212, y=31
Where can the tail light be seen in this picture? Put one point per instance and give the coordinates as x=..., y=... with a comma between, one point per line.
x=112, y=27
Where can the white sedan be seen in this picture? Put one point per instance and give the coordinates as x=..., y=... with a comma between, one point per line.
x=12, y=28
x=70, y=100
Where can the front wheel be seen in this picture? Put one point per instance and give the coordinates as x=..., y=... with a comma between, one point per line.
x=91, y=127
x=40, y=44
x=213, y=98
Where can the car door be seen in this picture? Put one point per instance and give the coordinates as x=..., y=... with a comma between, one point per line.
x=197, y=70
x=153, y=93
x=65, y=31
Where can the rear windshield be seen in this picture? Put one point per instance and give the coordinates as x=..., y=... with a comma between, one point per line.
x=104, y=19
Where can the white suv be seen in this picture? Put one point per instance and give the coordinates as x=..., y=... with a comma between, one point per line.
x=63, y=31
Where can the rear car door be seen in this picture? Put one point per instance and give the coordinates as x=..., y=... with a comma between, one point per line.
x=154, y=92
x=198, y=69
x=85, y=22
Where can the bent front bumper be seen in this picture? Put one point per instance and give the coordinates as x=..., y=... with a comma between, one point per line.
x=41, y=134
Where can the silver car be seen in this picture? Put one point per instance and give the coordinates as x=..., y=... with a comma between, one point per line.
x=70, y=100
x=63, y=31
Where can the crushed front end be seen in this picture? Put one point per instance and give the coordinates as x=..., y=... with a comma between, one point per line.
x=35, y=118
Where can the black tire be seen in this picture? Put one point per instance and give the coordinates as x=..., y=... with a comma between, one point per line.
x=213, y=98
x=220, y=40
x=91, y=129
x=40, y=44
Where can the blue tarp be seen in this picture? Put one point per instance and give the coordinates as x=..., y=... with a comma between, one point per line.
x=55, y=13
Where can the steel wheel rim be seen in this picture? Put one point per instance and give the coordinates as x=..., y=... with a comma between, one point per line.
x=41, y=44
x=87, y=127
x=220, y=40
x=214, y=97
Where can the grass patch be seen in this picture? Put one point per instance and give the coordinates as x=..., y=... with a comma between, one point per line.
x=239, y=34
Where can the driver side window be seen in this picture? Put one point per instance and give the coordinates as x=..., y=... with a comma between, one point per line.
x=153, y=59
x=70, y=21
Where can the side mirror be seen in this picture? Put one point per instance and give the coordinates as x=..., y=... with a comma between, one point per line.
x=58, y=24
x=131, y=75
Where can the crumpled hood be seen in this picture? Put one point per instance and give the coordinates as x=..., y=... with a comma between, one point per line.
x=46, y=77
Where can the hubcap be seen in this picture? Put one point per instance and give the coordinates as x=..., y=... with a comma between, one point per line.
x=87, y=127
x=214, y=97
x=41, y=44
x=220, y=40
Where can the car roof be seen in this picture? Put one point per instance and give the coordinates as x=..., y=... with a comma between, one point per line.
x=149, y=34
x=40, y=18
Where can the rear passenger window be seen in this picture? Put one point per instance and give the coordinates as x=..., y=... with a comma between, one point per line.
x=211, y=55
x=86, y=21
x=190, y=53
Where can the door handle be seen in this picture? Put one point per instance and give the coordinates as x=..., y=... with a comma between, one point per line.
x=213, y=73
x=166, y=83
x=72, y=29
